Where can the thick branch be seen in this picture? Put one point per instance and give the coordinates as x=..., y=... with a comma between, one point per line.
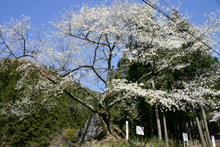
x=80, y=67
x=79, y=100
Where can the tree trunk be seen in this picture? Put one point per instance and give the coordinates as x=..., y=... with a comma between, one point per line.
x=151, y=123
x=190, y=130
x=181, y=123
x=200, y=130
x=157, y=117
x=106, y=117
x=195, y=133
x=204, y=132
x=175, y=130
x=206, y=128
x=165, y=128
x=179, y=133
x=158, y=124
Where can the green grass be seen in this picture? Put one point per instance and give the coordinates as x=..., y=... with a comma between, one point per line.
x=151, y=142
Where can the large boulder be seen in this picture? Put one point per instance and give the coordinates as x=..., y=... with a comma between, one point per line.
x=94, y=128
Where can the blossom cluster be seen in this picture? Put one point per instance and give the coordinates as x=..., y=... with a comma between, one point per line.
x=192, y=96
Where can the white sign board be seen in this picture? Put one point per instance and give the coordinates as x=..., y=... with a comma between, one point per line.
x=213, y=141
x=126, y=130
x=185, y=137
x=139, y=130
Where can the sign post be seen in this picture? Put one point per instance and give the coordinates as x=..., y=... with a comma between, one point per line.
x=139, y=131
x=185, y=138
x=126, y=130
x=213, y=141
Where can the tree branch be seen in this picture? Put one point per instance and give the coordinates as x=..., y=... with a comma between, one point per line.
x=117, y=101
x=96, y=50
x=87, y=39
x=89, y=93
x=86, y=66
x=155, y=72
x=112, y=96
x=65, y=90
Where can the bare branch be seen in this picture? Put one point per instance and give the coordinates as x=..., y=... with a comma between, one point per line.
x=86, y=66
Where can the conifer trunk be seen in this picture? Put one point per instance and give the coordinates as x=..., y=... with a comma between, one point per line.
x=175, y=124
x=190, y=130
x=206, y=128
x=151, y=123
x=200, y=130
x=158, y=124
x=194, y=133
x=204, y=132
x=165, y=128
x=157, y=117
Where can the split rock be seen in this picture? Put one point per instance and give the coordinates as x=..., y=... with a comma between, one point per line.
x=94, y=128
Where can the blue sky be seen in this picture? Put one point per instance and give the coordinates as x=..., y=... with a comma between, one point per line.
x=197, y=8
x=42, y=11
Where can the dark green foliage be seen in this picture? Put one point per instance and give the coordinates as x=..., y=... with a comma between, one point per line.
x=122, y=68
x=35, y=128
x=41, y=126
x=8, y=79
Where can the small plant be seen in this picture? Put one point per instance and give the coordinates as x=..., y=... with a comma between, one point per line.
x=70, y=133
x=111, y=144
x=122, y=144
